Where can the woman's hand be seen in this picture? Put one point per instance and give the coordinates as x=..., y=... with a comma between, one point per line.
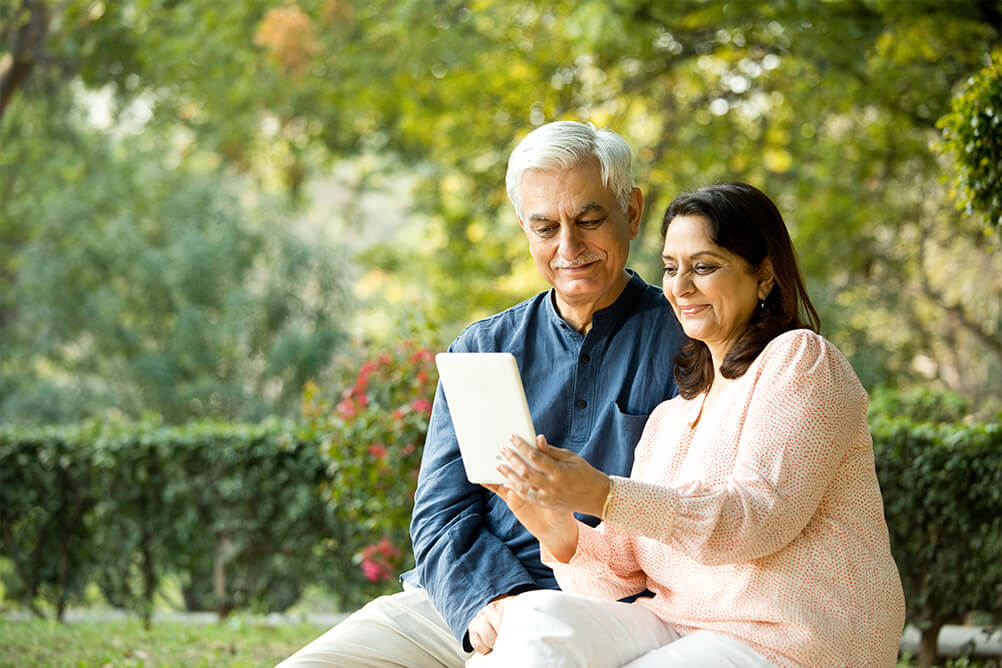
x=553, y=478
x=544, y=495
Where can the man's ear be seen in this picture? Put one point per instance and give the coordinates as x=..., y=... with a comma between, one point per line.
x=766, y=278
x=634, y=211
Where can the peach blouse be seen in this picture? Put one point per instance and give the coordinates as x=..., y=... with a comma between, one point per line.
x=761, y=519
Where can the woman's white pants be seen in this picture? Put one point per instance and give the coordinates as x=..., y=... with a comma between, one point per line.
x=560, y=630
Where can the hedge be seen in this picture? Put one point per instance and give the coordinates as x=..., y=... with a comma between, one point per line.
x=942, y=487
x=247, y=515
x=234, y=511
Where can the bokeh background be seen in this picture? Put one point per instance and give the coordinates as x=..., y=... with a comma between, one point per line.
x=235, y=223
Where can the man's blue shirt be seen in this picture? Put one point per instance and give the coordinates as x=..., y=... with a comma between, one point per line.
x=588, y=393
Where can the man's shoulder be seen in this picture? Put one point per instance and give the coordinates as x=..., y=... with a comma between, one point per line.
x=503, y=330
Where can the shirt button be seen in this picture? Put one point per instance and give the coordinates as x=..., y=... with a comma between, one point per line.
x=585, y=358
x=582, y=403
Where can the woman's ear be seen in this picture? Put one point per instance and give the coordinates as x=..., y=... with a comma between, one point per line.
x=766, y=278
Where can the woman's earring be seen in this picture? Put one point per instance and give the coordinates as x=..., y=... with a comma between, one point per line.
x=761, y=303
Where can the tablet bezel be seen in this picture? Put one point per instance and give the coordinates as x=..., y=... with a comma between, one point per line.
x=487, y=402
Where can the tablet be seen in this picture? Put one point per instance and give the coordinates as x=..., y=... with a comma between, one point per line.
x=488, y=404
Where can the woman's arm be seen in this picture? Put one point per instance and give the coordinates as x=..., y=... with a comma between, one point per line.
x=806, y=410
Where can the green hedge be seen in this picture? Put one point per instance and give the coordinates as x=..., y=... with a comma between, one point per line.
x=234, y=511
x=247, y=515
x=942, y=487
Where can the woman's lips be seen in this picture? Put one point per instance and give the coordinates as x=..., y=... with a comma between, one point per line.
x=692, y=310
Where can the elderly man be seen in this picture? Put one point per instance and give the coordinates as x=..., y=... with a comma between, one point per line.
x=595, y=353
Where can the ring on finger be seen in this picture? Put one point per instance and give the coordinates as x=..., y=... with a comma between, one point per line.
x=532, y=493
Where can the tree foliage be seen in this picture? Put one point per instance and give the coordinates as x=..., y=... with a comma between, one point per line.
x=972, y=132
x=830, y=107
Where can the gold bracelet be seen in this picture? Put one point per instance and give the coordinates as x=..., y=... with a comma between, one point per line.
x=608, y=500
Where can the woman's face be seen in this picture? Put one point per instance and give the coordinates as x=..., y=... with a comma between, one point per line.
x=713, y=291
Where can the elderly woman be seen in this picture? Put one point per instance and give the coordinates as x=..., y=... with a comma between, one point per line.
x=752, y=512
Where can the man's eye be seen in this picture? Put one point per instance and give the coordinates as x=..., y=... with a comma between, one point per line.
x=592, y=223
x=545, y=231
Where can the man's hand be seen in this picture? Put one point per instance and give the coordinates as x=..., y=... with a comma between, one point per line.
x=484, y=627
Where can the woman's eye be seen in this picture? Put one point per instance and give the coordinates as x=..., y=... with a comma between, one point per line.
x=704, y=268
x=671, y=271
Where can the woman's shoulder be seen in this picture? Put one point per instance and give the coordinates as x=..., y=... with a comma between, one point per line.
x=799, y=344
x=803, y=353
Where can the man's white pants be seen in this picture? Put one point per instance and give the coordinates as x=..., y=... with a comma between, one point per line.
x=560, y=630
x=397, y=631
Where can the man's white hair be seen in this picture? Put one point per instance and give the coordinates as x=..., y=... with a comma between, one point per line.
x=565, y=145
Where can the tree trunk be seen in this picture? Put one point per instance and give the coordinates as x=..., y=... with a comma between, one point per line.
x=928, y=644
x=26, y=48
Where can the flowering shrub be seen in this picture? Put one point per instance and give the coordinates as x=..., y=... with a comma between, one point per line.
x=371, y=420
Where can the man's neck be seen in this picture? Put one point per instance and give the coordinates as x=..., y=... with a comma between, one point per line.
x=579, y=314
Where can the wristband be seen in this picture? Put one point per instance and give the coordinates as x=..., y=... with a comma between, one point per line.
x=608, y=499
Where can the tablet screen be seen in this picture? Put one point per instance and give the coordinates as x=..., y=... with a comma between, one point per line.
x=487, y=402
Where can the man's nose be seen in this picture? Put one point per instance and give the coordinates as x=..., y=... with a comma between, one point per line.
x=571, y=244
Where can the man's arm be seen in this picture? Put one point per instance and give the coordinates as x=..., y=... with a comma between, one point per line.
x=461, y=564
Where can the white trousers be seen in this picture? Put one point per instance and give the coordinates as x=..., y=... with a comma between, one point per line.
x=560, y=630
x=397, y=631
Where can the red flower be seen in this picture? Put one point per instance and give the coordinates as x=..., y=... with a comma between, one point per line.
x=362, y=399
x=422, y=355
x=346, y=409
x=409, y=448
x=374, y=572
x=378, y=451
x=385, y=359
x=421, y=406
x=399, y=413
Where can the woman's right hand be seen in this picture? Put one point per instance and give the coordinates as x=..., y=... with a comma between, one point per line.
x=555, y=529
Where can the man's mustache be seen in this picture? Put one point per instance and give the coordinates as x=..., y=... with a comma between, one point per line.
x=580, y=260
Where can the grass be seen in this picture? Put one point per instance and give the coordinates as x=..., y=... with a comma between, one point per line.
x=119, y=644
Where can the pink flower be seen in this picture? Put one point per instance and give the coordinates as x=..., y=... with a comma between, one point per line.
x=422, y=377
x=378, y=451
x=362, y=399
x=421, y=406
x=386, y=548
x=408, y=449
x=367, y=367
x=399, y=413
x=346, y=409
x=384, y=359
x=374, y=572
x=422, y=355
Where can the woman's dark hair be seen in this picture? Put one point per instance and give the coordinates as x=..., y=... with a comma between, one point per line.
x=744, y=221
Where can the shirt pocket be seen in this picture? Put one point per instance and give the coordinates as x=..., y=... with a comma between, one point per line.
x=628, y=427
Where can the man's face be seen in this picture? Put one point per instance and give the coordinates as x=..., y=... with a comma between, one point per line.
x=578, y=235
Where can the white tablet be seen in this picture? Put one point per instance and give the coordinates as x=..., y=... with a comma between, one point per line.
x=488, y=404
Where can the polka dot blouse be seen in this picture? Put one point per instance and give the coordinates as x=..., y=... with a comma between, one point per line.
x=760, y=518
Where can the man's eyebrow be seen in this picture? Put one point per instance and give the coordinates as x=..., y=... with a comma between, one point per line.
x=590, y=207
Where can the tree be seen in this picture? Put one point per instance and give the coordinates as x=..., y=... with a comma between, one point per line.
x=829, y=107
x=147, y=287
x=972, y=134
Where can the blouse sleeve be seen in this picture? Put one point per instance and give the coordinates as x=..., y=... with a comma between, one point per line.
x=806, y=408
x=604, y=565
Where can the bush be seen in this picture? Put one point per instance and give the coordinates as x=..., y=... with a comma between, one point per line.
x=233, y=510
x=373, y=433
x=942, y=487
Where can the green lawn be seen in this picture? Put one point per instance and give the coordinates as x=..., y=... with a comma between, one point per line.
x=126, y=644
